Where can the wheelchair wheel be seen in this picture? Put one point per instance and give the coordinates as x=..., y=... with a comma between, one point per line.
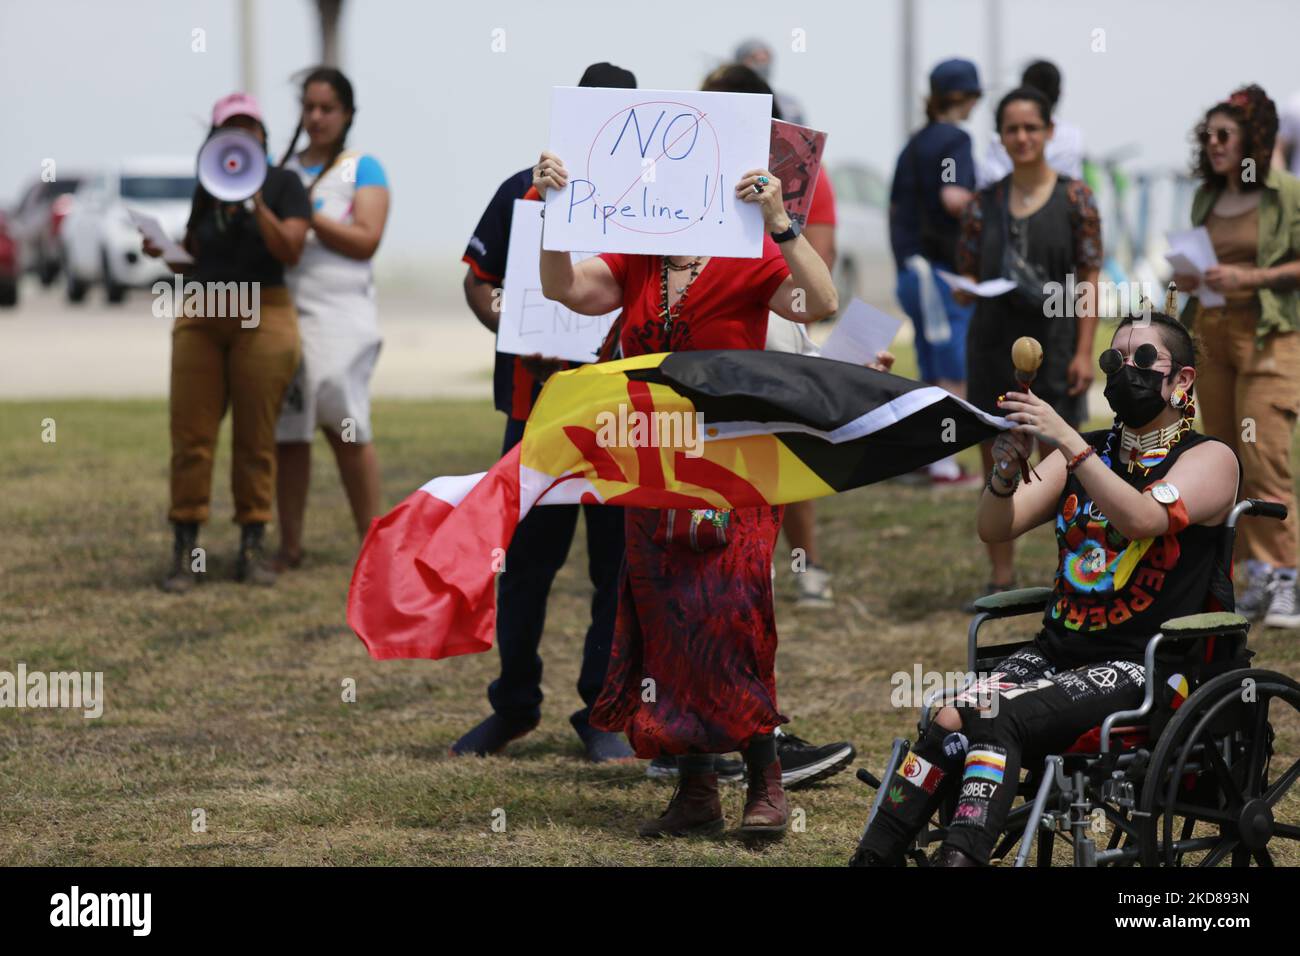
x=1217, y=776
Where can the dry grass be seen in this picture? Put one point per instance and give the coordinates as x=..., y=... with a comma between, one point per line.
x=229, y=700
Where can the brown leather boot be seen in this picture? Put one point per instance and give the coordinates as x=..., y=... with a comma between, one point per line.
x=694, y=810
x=765, y=806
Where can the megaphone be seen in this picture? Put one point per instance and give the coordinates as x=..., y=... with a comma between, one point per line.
x=232, y=165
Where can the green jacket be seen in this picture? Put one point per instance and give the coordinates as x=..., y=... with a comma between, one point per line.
x=1279, y=242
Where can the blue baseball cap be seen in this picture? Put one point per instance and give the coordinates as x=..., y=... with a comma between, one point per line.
x=955, y=76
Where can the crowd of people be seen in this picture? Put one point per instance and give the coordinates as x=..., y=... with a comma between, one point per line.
x=693, y=609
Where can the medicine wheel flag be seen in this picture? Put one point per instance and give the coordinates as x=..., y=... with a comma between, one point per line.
x=700, y=430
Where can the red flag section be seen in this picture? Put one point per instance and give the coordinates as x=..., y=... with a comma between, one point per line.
x=425, y=581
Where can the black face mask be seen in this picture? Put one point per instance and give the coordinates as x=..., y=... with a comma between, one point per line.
x=1134, y=394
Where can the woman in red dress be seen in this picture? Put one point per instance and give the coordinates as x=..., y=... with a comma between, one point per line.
x=691, y=670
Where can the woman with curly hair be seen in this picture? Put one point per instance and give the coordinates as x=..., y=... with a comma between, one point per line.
x=1250, y=380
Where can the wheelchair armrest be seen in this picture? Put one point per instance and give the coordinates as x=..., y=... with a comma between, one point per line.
x=1205, y=624
x=1011, y=603
x=998, y=605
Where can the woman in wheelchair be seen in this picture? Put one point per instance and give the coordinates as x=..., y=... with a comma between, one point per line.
x=1139, y=511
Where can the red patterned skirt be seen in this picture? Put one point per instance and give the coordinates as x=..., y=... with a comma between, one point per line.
x=692, y=667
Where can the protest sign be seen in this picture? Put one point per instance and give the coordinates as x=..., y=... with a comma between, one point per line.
x=655, y=172
x=530, y=322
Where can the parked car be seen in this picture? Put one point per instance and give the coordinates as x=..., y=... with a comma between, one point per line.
x=99, y=241
x=34, y=225
x=861, y=231
x=8, y=264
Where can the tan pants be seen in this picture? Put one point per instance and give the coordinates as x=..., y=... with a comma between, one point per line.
x=216, y=362
x=1249, y=398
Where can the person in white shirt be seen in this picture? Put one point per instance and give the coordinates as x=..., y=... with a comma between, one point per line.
x=1064, y=149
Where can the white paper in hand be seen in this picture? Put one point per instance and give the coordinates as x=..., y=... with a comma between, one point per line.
x=153, y=231
x=1192, y=253
x=861, y=332
x=988, y=289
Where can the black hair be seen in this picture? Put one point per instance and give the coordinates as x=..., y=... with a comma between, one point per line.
x=1043, y=76
x=342, y=88
x=738, y=78
x=1020, y=93
x=608, y=76
x=1173, y=335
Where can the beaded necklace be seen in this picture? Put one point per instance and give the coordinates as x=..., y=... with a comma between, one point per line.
x=1146, y=451
x=666, y=314
x=1150, y=449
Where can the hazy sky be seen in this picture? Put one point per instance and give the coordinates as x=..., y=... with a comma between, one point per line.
x=90, y=81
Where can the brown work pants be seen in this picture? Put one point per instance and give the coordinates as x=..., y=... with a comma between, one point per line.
x=1249, y=397
x=216, y=362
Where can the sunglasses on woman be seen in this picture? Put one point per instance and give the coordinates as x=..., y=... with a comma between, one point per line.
x=1145, y=356
x=1220, y=136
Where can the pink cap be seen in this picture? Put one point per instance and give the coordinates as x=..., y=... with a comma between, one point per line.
x=236, y=104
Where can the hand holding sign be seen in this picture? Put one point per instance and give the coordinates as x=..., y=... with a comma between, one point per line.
x=549, y=173
x=761, y=187
x=653, y=172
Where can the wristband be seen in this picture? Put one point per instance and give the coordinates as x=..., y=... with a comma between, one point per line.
x=1166, y=494
x=1080, y=458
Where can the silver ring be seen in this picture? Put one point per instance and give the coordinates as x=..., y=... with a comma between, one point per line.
x=758, y=190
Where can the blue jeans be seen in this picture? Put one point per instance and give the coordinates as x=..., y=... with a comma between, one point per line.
x=537, y=551
x=946, y=360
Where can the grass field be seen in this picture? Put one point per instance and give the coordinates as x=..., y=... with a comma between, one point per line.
x=229, y=700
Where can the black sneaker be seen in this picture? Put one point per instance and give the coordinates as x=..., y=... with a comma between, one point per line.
x=803, y=763
x=728, y=771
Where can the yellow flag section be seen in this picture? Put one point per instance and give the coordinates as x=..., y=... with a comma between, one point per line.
x=634, y=440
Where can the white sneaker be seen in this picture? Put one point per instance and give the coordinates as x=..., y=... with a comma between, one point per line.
x=814, y=586
x=1282, y=603
x=1254, y=600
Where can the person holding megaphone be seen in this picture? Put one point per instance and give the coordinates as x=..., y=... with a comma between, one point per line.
x=247, y=223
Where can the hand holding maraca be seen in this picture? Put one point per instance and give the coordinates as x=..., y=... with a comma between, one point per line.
x=1027, y=357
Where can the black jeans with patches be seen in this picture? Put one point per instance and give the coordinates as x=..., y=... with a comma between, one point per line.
x=1039, y=711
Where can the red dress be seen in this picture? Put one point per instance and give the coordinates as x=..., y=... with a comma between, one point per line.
x=692, y=667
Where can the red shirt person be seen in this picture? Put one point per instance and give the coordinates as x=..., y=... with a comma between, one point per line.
x=695, y=611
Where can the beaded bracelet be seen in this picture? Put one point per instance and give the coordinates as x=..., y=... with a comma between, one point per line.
x=997, y=494
x=1079, y=459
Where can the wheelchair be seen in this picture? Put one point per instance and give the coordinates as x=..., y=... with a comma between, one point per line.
x=1186, y=779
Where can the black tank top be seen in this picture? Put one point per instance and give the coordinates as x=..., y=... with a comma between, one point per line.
x=1111, y=594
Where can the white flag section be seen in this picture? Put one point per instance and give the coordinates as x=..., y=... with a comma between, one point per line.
x=530, y=322
x=655, y=171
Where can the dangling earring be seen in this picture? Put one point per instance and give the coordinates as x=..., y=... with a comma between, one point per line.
x=1179, y=398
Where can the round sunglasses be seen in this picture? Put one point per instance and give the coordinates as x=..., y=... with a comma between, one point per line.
x=1145, y=356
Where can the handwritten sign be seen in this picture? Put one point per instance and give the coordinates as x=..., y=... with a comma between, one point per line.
x=655, y=171
x=796, y=160
x=530, y=322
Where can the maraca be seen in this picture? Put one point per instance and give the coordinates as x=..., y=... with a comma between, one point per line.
x=1026, y=356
